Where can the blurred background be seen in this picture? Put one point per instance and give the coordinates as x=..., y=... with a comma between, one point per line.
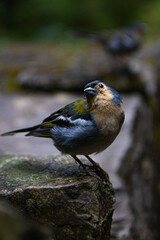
x=52, y=19
x=50, y=49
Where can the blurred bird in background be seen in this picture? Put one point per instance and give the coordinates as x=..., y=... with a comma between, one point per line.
x=120, y=45
x=125, y=41
x=85, y=126
x=119, y=41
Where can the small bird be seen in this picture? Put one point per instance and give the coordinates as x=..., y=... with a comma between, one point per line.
x=126, y=41
x=85, y=126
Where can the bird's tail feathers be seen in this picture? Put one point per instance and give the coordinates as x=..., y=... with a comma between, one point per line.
x=11, y=133
x=39, y=132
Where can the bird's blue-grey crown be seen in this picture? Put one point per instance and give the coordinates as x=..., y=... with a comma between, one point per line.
x=90, y=91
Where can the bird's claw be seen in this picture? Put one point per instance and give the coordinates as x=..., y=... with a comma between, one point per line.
x=99, y=171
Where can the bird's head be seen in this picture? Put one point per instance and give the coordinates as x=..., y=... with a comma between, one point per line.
x=98, y=91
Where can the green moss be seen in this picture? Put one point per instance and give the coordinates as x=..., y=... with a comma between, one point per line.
x=4, y=159
x=24, y=171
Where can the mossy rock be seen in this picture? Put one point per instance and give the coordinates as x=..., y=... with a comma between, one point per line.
x=58, y=194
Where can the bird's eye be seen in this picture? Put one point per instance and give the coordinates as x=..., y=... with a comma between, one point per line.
x=101, y=85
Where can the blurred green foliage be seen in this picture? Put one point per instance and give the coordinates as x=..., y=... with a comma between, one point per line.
x=51, y=18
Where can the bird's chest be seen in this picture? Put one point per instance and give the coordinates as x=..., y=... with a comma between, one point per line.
x=108, y=125
x=108, y=122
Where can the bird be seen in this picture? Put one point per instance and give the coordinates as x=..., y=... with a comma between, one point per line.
x=121, y=46
x=125, y=41
x=83, y=127
x=119, y=42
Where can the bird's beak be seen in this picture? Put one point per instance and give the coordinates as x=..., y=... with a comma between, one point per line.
x=90, y=92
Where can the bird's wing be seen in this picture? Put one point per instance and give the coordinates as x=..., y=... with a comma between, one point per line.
x=71, y=114
x=72, y=111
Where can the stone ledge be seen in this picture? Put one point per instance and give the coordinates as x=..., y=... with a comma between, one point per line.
x=57, y=194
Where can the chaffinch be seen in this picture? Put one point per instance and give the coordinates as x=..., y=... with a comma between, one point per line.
x=85, y=126
x=125, y=41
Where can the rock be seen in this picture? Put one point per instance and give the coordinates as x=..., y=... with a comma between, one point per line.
x=57, y=194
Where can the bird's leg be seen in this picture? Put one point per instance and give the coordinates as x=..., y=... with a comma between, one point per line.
x=84, y=166
x=100, y=172
x=80, y=163
x=93, y=162
x=97, y=168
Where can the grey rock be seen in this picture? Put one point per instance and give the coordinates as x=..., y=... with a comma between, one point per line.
x=57, y=194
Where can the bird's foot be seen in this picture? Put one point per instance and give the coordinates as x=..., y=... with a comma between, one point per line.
x=82, y=165
x=100, y=172
x=89, y=166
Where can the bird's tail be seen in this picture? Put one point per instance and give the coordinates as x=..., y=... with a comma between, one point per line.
x=29, y=130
